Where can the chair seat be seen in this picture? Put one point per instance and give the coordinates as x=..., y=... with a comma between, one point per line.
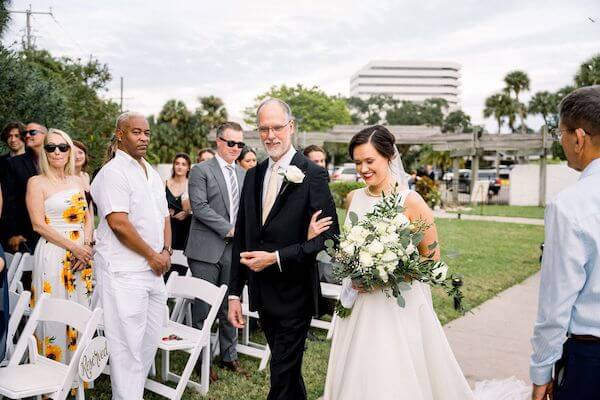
x=189, y=337
x=31, y=379
x=330, y=290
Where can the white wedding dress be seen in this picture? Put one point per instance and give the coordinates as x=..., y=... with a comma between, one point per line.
x=382, y=351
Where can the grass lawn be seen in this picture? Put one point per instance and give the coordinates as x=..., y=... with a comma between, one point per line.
x=491, y=257
x=505, y=211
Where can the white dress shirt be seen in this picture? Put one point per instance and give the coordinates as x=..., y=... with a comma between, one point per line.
x=122, y=186
x=284, y=163
x=223, y=164
x=569, y=299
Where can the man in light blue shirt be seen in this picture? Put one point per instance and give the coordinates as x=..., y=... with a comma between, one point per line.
x=569, y=302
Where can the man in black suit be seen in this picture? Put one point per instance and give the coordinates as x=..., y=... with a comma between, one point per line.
x=271, y=251
x=17, y=232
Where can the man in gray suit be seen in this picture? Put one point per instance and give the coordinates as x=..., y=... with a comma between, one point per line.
x=214, y=188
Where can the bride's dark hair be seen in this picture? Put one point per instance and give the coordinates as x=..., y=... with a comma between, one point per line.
x=379, y=136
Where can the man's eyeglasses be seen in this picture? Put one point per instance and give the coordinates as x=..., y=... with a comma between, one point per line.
x=264, y=130
x=51, y=148
x=31, y=132
x=232, y=143
x=558, y=133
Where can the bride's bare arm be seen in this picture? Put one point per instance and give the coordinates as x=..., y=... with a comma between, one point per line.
x=418, y=210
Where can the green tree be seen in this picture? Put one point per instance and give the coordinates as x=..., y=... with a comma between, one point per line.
x=314, y=109
x=517, y=82
x=589, y=72
x=457, y=122
x=440, y=159
x=174, y=113
x=371, y=111
x=502, y=108
x=212, y=111
x=4, y=16
x=545, y=104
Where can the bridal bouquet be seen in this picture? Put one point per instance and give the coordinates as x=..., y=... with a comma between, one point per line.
x=379, y=252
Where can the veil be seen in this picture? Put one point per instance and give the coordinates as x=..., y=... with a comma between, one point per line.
x=397, y=170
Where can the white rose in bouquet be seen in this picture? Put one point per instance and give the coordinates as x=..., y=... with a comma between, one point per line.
x=388, y=257
x=294, y=174
x=375, y=247
x=383, y=274
x=347, y=247
x=358, y=235
x=440, y=273
x=410, y=249
x=381, y=228
x=390, y=238
x=365, y=259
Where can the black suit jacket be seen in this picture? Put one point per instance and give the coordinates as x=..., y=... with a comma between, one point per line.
x=293, y=291
x=16, y=171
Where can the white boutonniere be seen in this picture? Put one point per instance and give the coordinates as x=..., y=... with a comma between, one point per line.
x=293, y=174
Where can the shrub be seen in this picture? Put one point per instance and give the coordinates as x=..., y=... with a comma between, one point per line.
x=428, y=189
x=340, y=190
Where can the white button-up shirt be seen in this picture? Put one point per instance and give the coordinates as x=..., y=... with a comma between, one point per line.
x=570, y=280
x=122, y=186
x=284, y=163
x=223, y=164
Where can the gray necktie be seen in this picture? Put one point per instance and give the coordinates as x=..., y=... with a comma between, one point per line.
x=235, y=192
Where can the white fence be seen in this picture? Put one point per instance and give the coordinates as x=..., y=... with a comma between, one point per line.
x=525, y=183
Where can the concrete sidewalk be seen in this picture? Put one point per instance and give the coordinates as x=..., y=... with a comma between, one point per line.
x=512, y=220
x=493, y=341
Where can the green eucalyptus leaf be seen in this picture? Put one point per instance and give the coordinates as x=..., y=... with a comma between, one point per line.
x=323, y=257
x=353, y=218
x=329, y=243
x=401, y=302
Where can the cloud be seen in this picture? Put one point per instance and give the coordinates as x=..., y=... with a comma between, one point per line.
x=237, y=50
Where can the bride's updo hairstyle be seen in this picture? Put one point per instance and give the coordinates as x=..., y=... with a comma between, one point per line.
x=380, y=138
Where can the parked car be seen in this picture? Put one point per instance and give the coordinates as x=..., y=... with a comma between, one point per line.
x=345, y=173
x=464, y=180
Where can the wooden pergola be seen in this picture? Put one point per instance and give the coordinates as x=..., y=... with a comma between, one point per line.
x=460, y=145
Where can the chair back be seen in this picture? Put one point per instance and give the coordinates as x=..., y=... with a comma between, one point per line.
x=188, y=287
x=18, y=303
x=12, y=263
x=25, y=264
x=179, y=258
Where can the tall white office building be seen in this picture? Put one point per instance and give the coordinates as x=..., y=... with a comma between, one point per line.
x=409, y=80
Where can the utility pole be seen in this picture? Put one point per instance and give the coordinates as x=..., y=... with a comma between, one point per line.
x=28, y=13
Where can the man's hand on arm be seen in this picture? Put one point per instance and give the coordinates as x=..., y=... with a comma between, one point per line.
x=258, y=260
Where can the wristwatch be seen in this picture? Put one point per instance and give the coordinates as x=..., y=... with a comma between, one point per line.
x=168, y=249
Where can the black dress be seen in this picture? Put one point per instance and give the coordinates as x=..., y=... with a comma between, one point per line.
x=179, y=229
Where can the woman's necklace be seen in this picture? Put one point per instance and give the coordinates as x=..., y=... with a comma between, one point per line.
x=370, y=193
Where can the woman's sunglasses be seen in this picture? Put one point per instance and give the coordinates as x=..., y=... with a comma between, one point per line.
x=51, y=148
x=231, y=143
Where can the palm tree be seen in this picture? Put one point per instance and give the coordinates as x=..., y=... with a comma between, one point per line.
x=517, y=82
x=175, y=113
x=589, y=72
x=212, y=111
x=495, y=106
x=545, y=104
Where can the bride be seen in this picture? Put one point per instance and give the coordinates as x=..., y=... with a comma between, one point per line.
x=383, y=351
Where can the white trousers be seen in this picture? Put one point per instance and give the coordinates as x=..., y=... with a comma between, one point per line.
x=134, y=312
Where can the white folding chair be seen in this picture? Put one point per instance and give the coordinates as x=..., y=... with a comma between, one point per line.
x=329, y=291
x=12, y=262
x=182, y=311
x=247, y=347
x=18, y=303
x=192, y=341
x=41, y=375
x=25, y=264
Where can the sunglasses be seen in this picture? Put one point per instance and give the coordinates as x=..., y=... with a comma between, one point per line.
x=232, y=143
x=31, y=132
x=51, y=148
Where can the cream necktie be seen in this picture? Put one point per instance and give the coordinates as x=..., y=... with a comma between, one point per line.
x=271, y=192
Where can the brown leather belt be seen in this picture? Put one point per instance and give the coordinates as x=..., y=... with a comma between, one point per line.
x=585, y=338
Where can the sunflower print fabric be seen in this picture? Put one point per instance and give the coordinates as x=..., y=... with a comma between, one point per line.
x=53, y=272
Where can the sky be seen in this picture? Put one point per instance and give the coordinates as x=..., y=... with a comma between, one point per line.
x=239, y=49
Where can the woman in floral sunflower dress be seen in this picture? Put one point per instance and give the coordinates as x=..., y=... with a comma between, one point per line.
x=59, y=213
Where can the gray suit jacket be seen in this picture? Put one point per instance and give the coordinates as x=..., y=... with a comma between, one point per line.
x=210, y=207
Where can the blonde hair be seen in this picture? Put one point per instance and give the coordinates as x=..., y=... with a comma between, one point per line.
x=69, y=168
